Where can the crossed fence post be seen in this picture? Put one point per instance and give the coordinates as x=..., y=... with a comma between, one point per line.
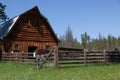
x=40, y=59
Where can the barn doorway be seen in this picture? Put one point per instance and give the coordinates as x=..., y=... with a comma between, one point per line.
x=31, y=49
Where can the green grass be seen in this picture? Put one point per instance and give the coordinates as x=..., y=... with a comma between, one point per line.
x=14, y=71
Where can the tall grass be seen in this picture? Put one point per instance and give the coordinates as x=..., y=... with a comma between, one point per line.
x=14, y=71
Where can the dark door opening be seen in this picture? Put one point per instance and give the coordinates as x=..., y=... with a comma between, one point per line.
x=31, y=50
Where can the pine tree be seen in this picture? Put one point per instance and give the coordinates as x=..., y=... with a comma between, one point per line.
x=3, y=16
x=85, y=40
x=68, y=41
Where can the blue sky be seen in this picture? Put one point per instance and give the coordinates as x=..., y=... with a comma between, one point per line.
x=91, y=16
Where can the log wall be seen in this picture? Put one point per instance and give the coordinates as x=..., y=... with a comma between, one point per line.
x=30, y=31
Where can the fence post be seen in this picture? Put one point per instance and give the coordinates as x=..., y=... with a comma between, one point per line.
x=2, y=50
x=85, y=56
x=37, y=59
x=56, y=57
x=22, y=53
x=104, y=55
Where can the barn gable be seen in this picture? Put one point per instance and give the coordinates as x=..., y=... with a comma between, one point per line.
x=30, y=21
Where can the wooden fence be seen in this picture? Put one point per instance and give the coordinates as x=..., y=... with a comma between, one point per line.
x=67, y=56
x=18, y=57
x=80, y=57
x=50, y=56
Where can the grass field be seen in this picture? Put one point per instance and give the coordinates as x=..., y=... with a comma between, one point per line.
x=14, y=71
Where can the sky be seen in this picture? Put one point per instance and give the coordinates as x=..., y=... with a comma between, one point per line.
x=91, y=16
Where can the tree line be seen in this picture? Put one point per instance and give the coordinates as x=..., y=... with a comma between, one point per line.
x=109, y=43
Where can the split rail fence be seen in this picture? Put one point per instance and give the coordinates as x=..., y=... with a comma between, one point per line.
x=18, y=57
x=84, y=57
x=29, y=58
x=67, y=56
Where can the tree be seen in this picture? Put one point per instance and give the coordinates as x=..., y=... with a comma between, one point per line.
x=62, y=41
x=102, y=44
x=85, y=39
x=76, y=44
x=69, y=38
x=3, y=16
x=109, y=42
x=68, y=41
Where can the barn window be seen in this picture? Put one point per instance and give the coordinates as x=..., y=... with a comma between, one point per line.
x=47, y=47
x=16, y=47
x=25, y=21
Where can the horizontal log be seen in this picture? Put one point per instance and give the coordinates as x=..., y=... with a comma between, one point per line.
x=113, y=60
x=17, y=59
x=66, y=59
x=81, y=62
x=71, y=62
x=94, y=58
x=95, y=54
x=60, y=52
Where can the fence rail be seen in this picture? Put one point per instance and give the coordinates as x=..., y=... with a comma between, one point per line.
x=19, y=57
x=78, y=57
x=67, y=56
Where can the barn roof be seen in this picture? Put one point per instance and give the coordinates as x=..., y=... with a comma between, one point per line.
x=7, y=26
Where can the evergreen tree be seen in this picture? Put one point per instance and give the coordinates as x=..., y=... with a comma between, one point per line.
x=69, y=38
x=3, y=16
x=85, y=40
x=68, y=41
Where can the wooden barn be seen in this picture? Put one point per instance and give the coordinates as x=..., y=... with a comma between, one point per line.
x=27, y=32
